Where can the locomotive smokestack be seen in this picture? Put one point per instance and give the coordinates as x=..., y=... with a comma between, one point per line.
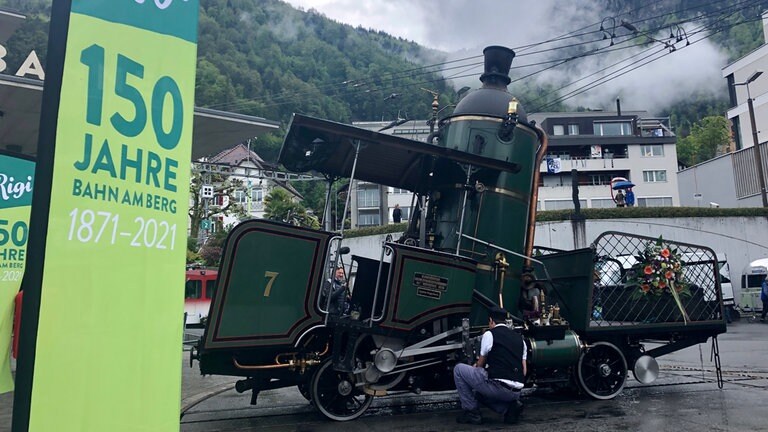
x=498, y=60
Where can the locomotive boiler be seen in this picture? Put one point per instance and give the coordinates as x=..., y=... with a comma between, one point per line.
x=416, y=310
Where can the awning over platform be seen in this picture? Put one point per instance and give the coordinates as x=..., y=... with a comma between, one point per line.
x=327, y=147
x=10, y=20
x=21, y=99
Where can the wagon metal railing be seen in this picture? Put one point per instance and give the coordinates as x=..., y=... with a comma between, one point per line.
x=621, y=279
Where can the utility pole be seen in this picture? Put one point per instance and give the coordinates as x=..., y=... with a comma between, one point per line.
x=758, y=156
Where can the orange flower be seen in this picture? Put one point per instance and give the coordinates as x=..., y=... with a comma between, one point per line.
x=645, y=288
x=679, y=288
x=669, y=274
x=665, y=253
x=662, y=284
x=648, y=270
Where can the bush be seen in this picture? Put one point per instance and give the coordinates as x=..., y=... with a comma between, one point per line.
x=375, y=230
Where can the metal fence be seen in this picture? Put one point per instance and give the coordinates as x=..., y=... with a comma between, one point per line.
x=645, y=280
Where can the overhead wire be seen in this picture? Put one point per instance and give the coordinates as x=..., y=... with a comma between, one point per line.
x=615, y=74
x=424, y=70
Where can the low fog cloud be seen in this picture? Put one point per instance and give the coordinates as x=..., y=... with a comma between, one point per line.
x=462, y=28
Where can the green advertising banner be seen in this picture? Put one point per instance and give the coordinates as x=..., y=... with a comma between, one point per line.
x=16, y=179
x=107, y=353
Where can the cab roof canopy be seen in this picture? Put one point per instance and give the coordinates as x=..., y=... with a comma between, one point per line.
x=329, y=148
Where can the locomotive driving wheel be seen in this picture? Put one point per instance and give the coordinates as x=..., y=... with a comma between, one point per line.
x=336, y=395
x=602, y=370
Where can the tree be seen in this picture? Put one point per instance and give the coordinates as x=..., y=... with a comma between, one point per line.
x=222, y=187
x=278, y=206
x=709, y=137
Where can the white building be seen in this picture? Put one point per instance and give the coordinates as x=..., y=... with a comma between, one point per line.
x=372, y=204
x=252, y=173
x=739, y=72
x=600, y=146
x=731, y=180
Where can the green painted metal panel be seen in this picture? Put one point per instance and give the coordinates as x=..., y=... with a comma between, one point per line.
x=268, y=285
x=572, y=275
x=428, y=285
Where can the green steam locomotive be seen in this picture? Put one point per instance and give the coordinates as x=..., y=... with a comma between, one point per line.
x=415, y=312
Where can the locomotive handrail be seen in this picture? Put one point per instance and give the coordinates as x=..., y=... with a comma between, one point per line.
x=374, y=318
x=503, y=249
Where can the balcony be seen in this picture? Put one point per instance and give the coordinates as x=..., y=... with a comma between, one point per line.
x=590, y=164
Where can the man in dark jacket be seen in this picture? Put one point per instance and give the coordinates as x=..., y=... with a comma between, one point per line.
x=397, y=214
x=337, y=288
x=497, y=376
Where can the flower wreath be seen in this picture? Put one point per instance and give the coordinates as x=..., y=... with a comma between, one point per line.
x=660, y=271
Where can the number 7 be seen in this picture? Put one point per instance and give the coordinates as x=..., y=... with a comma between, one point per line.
x=272, y=276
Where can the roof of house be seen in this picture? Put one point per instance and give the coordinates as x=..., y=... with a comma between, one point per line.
x=237, y=155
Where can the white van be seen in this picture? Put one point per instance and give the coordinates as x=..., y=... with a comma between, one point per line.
x=751, y=282
x=692, y=272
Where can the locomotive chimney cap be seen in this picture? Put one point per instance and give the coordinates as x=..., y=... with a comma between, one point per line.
x=498, y=60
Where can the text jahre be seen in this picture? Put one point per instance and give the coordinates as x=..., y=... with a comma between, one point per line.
x=142, y=166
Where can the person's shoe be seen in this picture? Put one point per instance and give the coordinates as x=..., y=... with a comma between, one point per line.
x=513, y=412
x=470, y=417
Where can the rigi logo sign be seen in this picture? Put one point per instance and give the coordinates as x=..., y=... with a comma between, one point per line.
x=10, y=188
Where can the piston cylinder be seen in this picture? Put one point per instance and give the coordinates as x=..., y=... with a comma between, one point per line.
x=555, y=353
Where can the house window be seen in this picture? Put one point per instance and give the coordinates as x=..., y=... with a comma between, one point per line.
x=368, y=198
x=558, y=130
x=613, y=128
x=573, y=129
x=655, y=176
x=600, y=179
x=652, y=150
x=367, y=219
x=239, y=196
x=562, y=204
x=602, y=203
x=654, y=202
x=257, y=195
x=400, y=191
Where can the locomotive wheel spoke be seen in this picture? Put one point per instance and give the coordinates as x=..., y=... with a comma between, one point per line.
x=335, y=395
x=602, y=371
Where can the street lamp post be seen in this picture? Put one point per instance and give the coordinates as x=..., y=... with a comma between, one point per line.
x=756, y=143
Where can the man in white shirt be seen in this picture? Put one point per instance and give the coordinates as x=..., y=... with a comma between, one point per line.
x=498, y=375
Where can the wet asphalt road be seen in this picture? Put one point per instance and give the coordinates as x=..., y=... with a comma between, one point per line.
x=684, y=398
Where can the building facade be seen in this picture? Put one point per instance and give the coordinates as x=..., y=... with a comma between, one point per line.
x=243, y=181
x=372, y=204
x=732, y=180
x=597, y=146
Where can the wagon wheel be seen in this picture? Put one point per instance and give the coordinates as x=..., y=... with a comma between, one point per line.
x=602, y=371
x=335, y=394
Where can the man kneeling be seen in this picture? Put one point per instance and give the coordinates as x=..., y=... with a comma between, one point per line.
x=497, y=376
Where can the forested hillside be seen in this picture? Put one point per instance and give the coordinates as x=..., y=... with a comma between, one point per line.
x=265, y=58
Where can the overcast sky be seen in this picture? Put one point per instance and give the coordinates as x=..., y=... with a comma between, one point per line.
x=463, y=27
